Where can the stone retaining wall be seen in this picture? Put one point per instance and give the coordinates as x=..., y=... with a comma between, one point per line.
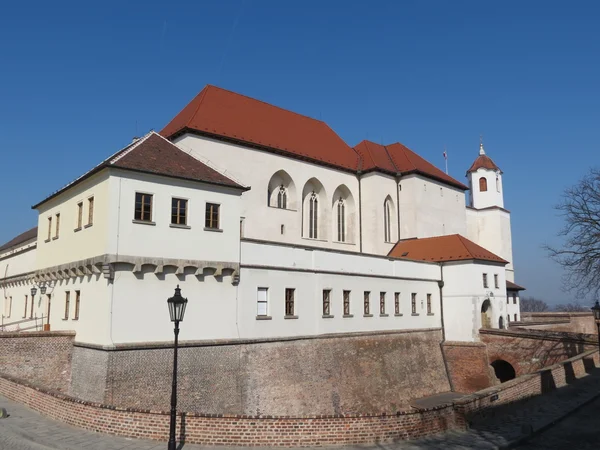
x=219, y=429
x=40, y=357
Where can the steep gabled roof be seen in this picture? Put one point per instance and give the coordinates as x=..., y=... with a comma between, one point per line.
x=21, y=239
x=397, y=158
x=443, y=248
x=153, y=154
x=221, y=113
x=510, y=286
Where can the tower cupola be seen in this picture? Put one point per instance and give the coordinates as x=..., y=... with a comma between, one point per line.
x=485, y=182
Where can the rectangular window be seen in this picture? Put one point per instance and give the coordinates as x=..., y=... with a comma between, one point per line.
x=79, y=215
x=514, y=298
x=496, y=284
x=90, y=211
x=25, y=312
x=77, y=299
x=49, y=228
x=507, y=299
x=485, y=281
x=57, y=226
x=262, y=302
x=367, y=306
x=67, y=303
x=413, y=302
x=428, y=303
x=289, y=302
x=382, y=303
x=212, y=216
x=143, y=207
x=9, y=306
x=346, y=303
x=326, y=302
x=516, y=318
x=179, y=211
x=396, y=302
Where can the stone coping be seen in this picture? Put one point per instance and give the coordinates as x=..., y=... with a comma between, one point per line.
x=463, y=344
x=32, y=334
x=244, y=341
x=71, y=399
x=528, y=323
x=546, y=335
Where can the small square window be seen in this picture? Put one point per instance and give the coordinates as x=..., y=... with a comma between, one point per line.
x=212, y=216
x=143, y=207
x=179, y=211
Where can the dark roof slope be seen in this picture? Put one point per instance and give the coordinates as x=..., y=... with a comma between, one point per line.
x=453, y=247
x=156, y=155
x=29, y=235
x=218, y=112
x=510, y=286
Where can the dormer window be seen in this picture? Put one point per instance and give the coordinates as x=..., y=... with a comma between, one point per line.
x=482, y=184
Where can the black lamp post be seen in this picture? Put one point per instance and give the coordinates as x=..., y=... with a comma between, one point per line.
x=596, y=311
x=176, y=310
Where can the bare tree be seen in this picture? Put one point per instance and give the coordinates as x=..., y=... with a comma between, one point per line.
x=579, y=255
x=572, y=307
x=532, y=304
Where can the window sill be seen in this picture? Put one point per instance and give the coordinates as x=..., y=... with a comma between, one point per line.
x=367, y=315
x=348, y=316
x=328, y=316
x=384, y=315
x=283, y=209
x=183, y=227
x=47, y=240
x=263, y=318
x=144, y=222
x=215, y=230
x=65, y=318
x=55, y=238
x=414, y=314
x=314, y=239
x=430, y=314
x=343, y=242
x=77, y=229
x=74, y=320
x=88, y=225
x=398, y=315
x=290, y=317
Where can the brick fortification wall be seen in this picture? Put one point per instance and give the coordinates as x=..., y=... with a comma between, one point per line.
x=350, y=374
x=579, y=322
x=468, y=366
x=39, y=357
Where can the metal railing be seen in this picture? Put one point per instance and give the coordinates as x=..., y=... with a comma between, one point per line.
x=33, y=323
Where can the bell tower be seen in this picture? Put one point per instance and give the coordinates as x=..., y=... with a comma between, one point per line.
x=485, y=182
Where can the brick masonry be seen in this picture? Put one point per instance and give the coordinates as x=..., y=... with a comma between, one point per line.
x=579, y=322
x=40, y=357
x=468, y=366
x=348, y=374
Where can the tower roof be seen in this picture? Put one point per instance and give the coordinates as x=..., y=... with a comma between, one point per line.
x=483, y=161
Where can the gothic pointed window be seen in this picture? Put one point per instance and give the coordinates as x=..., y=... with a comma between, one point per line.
x=313, y=216
x=482, y=184
x=282, y=198
x=341, y=220
x=387, y=221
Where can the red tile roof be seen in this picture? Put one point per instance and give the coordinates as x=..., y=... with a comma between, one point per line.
x=483, y=162
x=156, y=155
x=218, y=112
x=510, y=286
x=443, y=248
x=21, y=239
x=397, y=158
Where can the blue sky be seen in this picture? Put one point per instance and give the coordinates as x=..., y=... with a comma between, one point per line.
x=78, y=80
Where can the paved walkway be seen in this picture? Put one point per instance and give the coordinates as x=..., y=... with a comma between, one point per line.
x=503, y=427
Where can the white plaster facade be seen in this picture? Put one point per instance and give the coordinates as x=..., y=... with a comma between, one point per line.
x=123, y=270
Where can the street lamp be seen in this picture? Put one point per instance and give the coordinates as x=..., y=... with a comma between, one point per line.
x=596, y=311
x=177, y=306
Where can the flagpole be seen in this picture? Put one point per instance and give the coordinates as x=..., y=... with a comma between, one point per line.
x=446, y=159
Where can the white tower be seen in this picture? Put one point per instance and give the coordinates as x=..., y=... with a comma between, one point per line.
x=485, y=181
x=488, y=222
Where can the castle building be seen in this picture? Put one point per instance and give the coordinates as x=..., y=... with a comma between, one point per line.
x=273, y=227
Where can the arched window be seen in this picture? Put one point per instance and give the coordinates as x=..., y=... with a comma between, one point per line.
x=482, y=184
x=341, y=220
x=312, y=216
x=387, y=221
x=282, y=197
x=497, y=184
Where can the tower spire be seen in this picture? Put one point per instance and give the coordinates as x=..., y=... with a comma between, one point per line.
x=481, y=150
